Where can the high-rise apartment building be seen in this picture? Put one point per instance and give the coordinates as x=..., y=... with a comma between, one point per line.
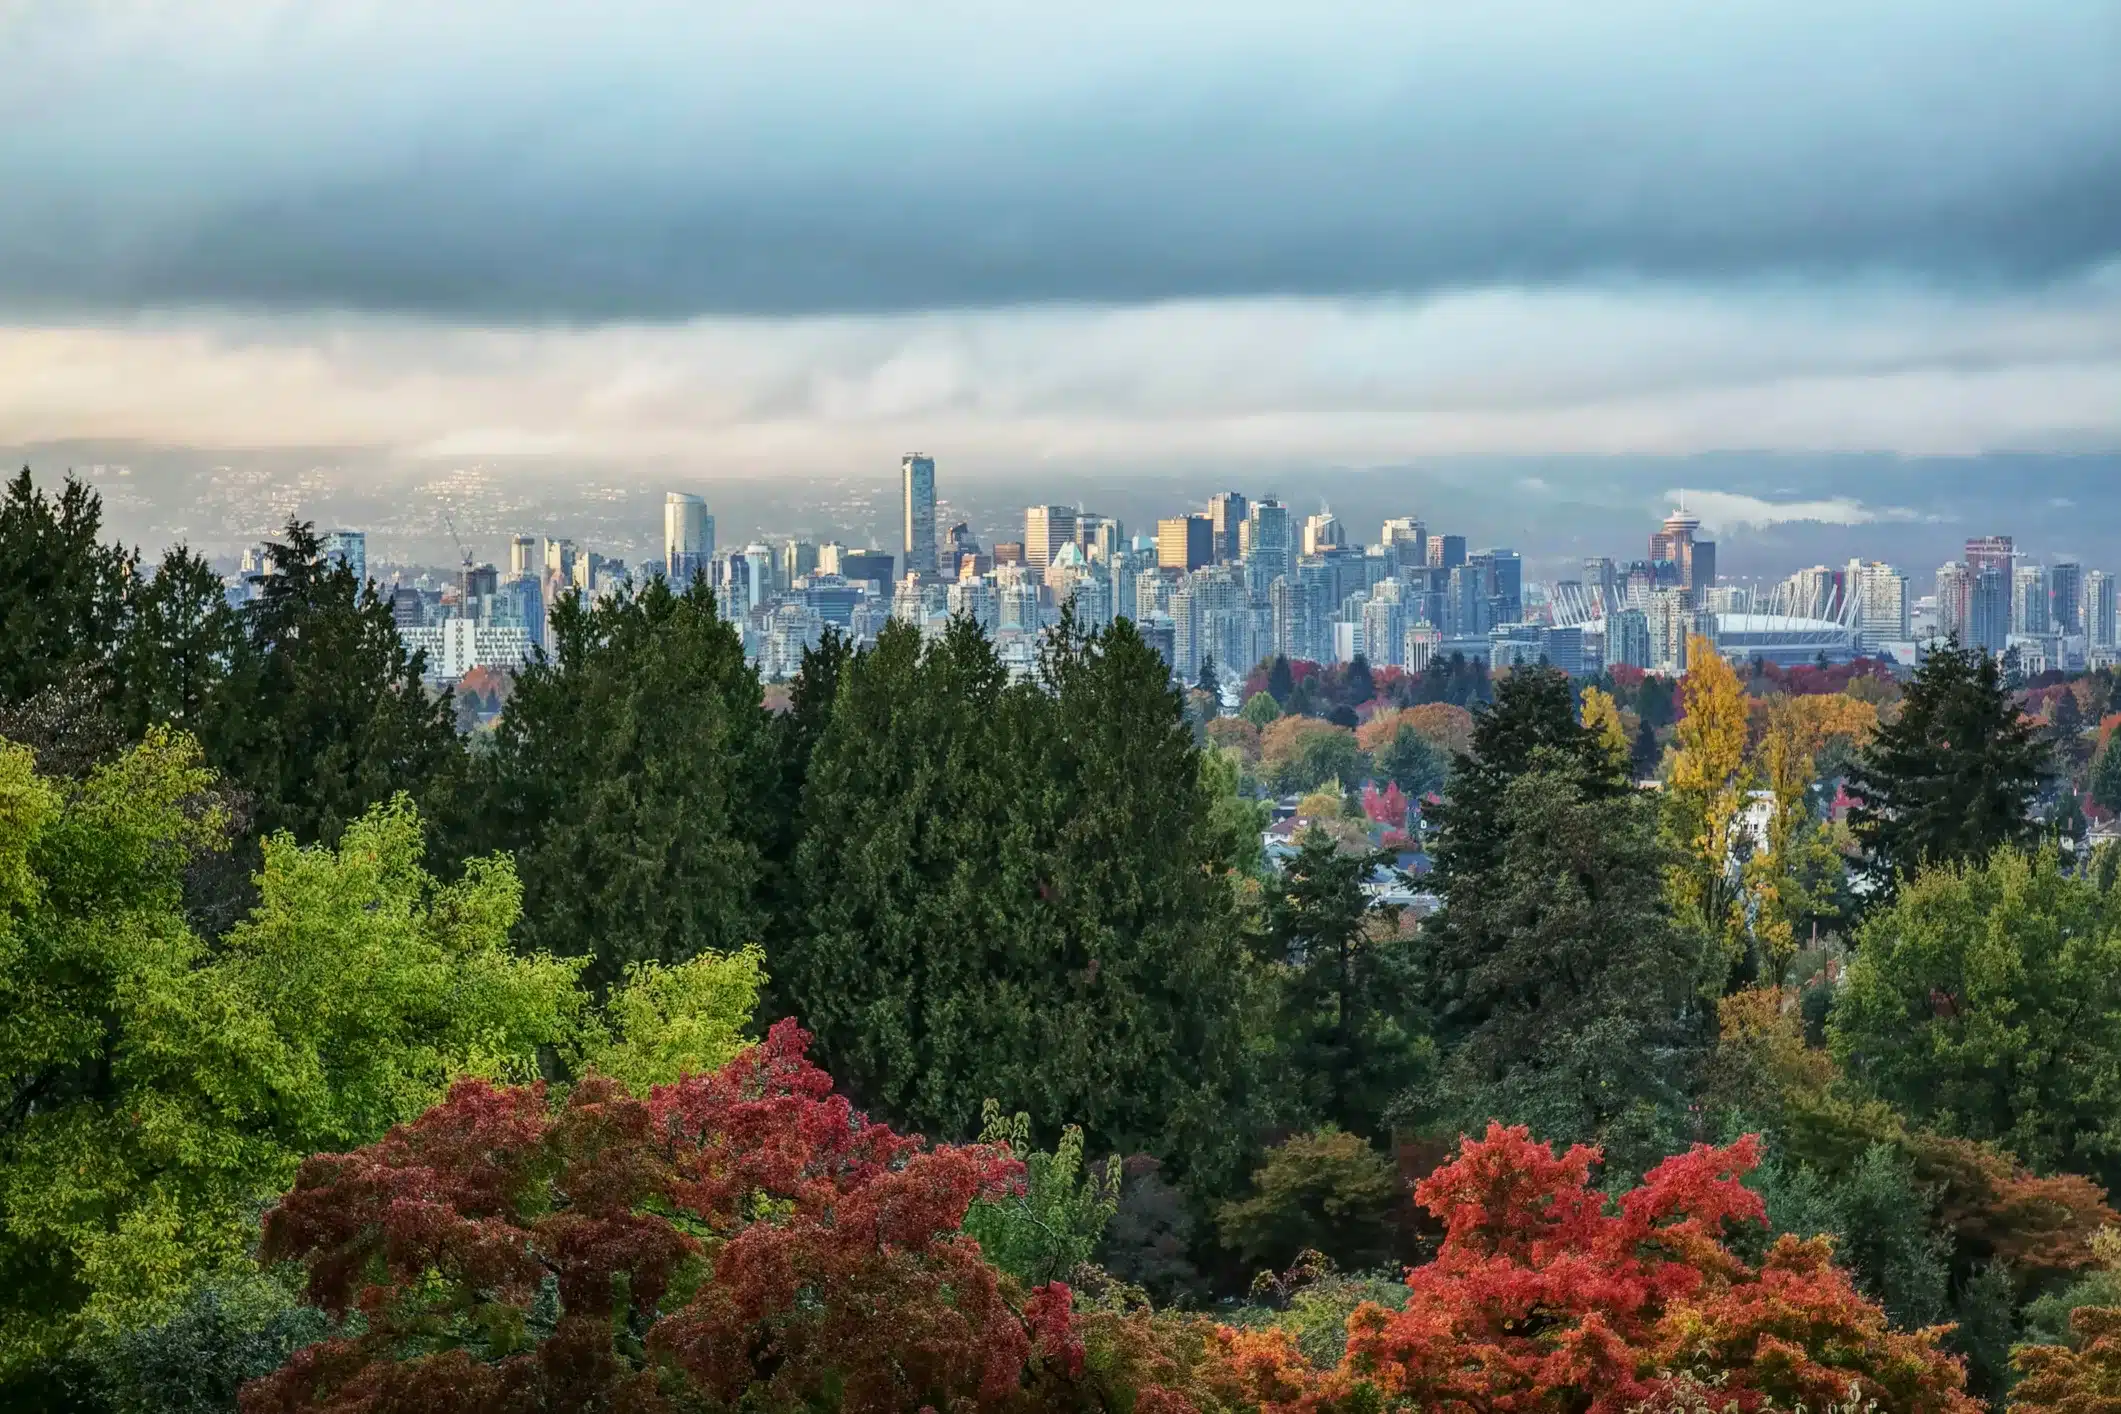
x=917, y=497
x=1989, y=552
x=1046, y=529
x=2029, y=606
x=688, y=538
x=2098, y=610
x=1185, y=543
x=1881, y=603
x=1955, y=591
x=349, y=548
x=1226, y=517
x=1988, y=612
x=1446, y=552
x=1506, y=585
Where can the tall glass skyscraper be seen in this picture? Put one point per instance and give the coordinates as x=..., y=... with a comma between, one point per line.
x=917, y=495
x=688, y=537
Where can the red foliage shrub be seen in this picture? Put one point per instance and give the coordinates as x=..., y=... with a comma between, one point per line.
x=1541, y=1298
x=740, y=1236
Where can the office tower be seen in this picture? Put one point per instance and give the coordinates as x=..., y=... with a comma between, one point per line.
x=917, y=504
x=1446, y=552
x=407, y=610
x=559, y=562
x=1008, y=552
x=1989, y=609
x=758, y=576
x=2065, y=597
x=798, y=558
x=1418, y=644
x=1601, y=580
x=1467, y=603
x=1881, y=603
x=828, y=558
x=1321, y=533
x=1046, y=529
x=1100, y=535
x=1226, y=514
x=1184, y=543
x=1406, y=540
x=870, y=567
x=522, y=556
x=2097, y=614
x=688, y=538
x=1266, y=543
x=1679, y=558
x=1506, y=584
x=349, y=548
x=2029, y=607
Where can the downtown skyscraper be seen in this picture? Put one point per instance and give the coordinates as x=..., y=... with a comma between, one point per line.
x=917, y=508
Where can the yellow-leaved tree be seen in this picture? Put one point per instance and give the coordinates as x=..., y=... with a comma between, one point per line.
x=1601, y=714
x=1704, y=797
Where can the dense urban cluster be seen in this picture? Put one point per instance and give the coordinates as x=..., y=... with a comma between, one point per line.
x=1022, y=1014
x=1249, y=580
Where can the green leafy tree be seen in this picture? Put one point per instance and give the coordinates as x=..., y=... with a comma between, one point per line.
x=639, y=782
x=1048, y=1226
x=1348, y=1032
x=1954, y=777
x=1021, y=891
x=1986, y=1001
x=1260, y=709
x=1325, y=1191
x=62, y=591
x=664, y=1022
x=159, y=1090
x=323, y=715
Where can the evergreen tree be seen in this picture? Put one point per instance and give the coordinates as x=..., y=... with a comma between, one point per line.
x=1281, y=680
x=1018, y=892
x=2106, y=777
x=1413, y=763
x=323, y=713
x=1207, y=681
x=178, y=643
x=635, y=777
x=1361, y=685
x=1531, y=722
x=1954, y=777
x=1347, y=1030
x=62, y=591
x=1562, y=982
x=1644, y=755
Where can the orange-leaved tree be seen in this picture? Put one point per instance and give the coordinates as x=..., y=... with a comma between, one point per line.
x=740, y=1236
x=1545, y=1297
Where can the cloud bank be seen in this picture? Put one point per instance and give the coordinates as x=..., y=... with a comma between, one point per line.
x=539, y=160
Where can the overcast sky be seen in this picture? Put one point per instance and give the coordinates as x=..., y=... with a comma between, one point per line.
x=812, y=233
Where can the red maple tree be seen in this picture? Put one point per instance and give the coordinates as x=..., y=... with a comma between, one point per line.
x=738, y=1236
x=1543, y=1297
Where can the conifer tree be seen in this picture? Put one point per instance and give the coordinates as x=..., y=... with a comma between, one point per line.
x=634, y=778
x=177, y=645
x=324, y=714
x=62, y=591
x=1954, y=777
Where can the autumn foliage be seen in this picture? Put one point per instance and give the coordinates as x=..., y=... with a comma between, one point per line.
x=1545, y=1297
x=743, y=1235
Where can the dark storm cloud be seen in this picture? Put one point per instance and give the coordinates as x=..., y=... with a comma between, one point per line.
x=539, y=161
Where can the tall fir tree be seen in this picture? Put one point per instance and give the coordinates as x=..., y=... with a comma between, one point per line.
x=323, y=713
x=178, y=643
x=62, y=590
x=1954, y=777
x=1349, y=1032
x=1018, y=892
x=634, y=777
